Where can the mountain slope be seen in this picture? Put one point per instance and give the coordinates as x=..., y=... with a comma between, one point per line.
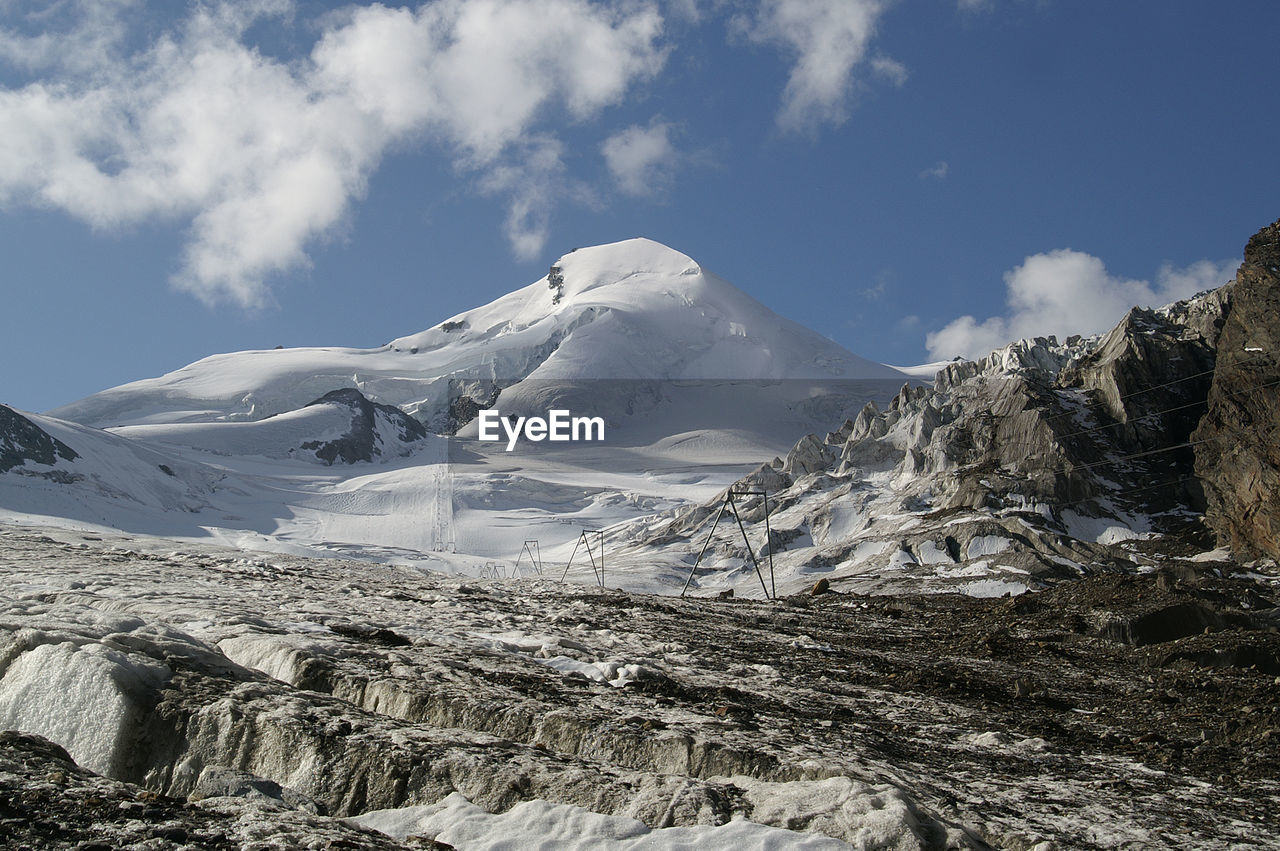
x=89, y=475
x=696, y=381
x=341, y=426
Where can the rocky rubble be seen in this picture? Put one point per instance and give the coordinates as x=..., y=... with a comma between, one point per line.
x=47, y=801
x=1116, y=710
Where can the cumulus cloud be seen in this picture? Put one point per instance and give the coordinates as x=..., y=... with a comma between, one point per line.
x=1068, y=292
x=830, y=39
x=262, y=156
x=641, y=159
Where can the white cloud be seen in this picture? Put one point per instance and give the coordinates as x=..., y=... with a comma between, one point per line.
x=890, y=70
x=1068, y=292
x=262, y=157
x=92, y=32
x=684, y=10
x=641, y=159
x=535, y=179
x=1198, y=277
x=874, y=293
x=830, y=39
x=937, y=172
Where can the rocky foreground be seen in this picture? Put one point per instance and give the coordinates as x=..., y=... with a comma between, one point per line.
x=199, y=698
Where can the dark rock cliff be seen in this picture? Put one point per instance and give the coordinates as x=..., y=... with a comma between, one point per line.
x=22, y=440
x=369, y=420
x=1237, y=452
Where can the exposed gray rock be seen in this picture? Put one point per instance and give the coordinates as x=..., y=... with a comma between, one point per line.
x=373, y=427
x=1041, y=462
x=47, y=801
x=810, y=455
x=22, y=441
x=254, y=708
x=1237, y=453
x=217, y=781
x=934, y=721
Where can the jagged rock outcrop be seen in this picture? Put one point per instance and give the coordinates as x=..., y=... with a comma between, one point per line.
x=375, y=429
x=1043, y=461
x=22, y=440
x=1237, y=452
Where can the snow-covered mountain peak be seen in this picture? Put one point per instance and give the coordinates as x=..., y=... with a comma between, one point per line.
x=639, y=309
x=634, y=275
x=631, y=263
x=634, y=309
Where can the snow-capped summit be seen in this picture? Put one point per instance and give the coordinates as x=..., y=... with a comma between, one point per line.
x=628, y=310
x=638, y=309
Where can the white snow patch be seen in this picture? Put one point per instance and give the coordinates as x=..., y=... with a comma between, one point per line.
x=930, y=553
x=543, y=826
x=278, y=656
x=901, y=559
x=992, y=588
x=923, y=371
x=868, y=550
x=977, y=568
x=616, y=674
x=987, y=545
x=1220, y=554
x=866, y=816
x=1104, y=530
x=997, y=739
x=88, y=699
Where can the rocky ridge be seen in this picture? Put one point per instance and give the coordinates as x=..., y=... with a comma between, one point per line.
x=22, y=440
x=1237, y=454
x=1044, y=461
x=376, y=430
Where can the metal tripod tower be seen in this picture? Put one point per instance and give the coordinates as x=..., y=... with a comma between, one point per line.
x=531, y=549
x=732, y=506
x=585, y=538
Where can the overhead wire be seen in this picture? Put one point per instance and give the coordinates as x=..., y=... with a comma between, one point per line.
x=1151, y=452
x=1146, y=416
x=1250, y=356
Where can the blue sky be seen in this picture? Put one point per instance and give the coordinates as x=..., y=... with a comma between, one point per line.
x=915, y=179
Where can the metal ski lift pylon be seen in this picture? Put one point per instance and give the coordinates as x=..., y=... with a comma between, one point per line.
x=585, y=538
x=532, y=549
x=732, y=506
